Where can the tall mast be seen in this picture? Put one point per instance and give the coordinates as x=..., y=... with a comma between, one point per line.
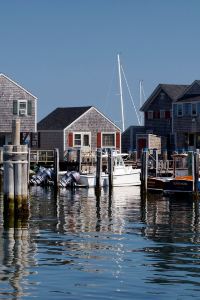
x=121, y=94
x=141, y=100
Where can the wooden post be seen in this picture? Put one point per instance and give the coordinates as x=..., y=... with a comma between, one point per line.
x=16, y=132
x=190, y=162
x=98, y=168
x=8, y=174
x=17, y=176
x=25, y=171
x=110, y=168
x=164, y=155
x=196, y=173
x=79, y=159
x=155, y=156
x=56, y=167
x=144, y=170
x=135, y=155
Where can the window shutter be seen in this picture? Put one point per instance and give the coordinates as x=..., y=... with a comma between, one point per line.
x=70, y=139
x=98, y=139
x=29, y=107
x=15, y=107
x=118, y=144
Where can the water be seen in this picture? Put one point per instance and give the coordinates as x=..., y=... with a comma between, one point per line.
x=79, y=246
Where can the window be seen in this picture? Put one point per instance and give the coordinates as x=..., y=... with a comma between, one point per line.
x=162, y=113
x=77, y=139
x=194, y=109
x=187, y=109
x=150, y=114
x=81, y=139
x=108, y=140
x=22, y=107
x=162, y=96
x=179, y=110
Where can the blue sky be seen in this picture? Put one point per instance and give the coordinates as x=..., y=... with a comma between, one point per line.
x=65, y=51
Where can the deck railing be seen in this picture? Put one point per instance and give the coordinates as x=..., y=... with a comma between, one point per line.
x=41, y=156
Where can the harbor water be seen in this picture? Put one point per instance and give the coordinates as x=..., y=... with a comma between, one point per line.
x=76, y=245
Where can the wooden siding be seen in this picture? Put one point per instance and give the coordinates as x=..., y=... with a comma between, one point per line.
x=8, y=93
x=50, y=140
x=92, y=121
x=159, y=126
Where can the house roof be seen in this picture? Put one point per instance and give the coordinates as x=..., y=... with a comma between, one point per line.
x=19, y=86
x=191, y=92
x=61, y=117
x=172, y=90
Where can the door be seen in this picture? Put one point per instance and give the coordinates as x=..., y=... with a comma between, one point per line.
x=141, y=143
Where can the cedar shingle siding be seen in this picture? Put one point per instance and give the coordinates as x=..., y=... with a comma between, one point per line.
x=56, y=128
x=10, y=93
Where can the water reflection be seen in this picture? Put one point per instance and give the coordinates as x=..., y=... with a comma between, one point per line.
x=113, y=244
x=17, y=252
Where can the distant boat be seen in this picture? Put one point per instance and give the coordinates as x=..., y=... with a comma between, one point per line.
x=122, y=175
x=176, y=184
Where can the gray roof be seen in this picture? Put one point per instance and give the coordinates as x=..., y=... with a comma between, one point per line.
x=191, y=92
x=172, y=90
x=61, y=117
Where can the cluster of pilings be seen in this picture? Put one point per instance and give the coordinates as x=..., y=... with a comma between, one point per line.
x=16, y=173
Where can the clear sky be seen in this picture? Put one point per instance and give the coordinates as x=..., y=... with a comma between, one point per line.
x=65, y=51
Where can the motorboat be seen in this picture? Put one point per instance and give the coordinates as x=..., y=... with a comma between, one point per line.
x=123, y=175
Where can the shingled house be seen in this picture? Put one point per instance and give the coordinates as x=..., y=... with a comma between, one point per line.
x=158, y=112
x=186, y=118
x=16, y=102
x=78, y=127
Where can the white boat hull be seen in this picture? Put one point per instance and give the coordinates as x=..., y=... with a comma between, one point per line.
x=132, y=177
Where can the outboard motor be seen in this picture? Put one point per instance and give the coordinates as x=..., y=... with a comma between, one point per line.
x=42, y=175
x=69, y=178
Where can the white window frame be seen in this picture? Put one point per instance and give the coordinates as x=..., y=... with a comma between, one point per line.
x=82, y=133
x=179, y=105
x=162, y=114
x=150, y=114
x=22, y=111
x=110, y=133
x=194, y=114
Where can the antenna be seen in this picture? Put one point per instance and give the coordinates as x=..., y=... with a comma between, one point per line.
x=120, y=88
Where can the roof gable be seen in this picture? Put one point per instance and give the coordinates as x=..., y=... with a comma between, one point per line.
x=192, y=90
x=16, y=84
x=61, y=117
x=172, y=90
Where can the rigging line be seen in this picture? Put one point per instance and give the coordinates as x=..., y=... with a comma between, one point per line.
x=144, y=96
x=131, y=96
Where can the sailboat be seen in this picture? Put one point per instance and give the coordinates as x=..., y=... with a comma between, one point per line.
x=123, y=175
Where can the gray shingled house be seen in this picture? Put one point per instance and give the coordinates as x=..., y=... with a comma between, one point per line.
x=186, y=118
x=16, y=102
x=158, y=110
x=77, y=127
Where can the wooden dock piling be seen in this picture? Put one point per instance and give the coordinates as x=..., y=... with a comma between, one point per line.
x=56, y=167
x=15, y=178
x=144, y=170
x=98, y=168
x=110, y=168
